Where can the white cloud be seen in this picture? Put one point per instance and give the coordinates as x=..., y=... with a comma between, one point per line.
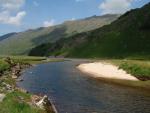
x=10, y=12
x=49, y=23
x=115, y=6
x=11, y=4
x=5, y=18
x=36, y=3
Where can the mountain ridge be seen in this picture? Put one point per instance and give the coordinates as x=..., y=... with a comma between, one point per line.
x=127, y=36
x=3, y=37
x=21, y=43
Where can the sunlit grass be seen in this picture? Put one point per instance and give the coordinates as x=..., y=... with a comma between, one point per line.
x=13, y=104
x=137, y=68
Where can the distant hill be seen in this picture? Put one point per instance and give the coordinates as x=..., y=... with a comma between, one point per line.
x=128, y=36
x=21, y=43
x=6, y=36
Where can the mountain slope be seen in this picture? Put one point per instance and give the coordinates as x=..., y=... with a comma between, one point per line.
x=128, y=36
x=22, y=43
x=6, y=36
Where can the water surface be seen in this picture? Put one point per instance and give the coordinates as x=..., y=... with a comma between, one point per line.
x=73, y=92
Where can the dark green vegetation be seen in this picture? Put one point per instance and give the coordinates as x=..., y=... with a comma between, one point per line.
x=21, y=43
x=129, y=36
x=41, y=50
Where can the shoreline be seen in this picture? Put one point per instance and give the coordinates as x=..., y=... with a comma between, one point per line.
x=111, y=74
x=35, y=101
x=51, y=106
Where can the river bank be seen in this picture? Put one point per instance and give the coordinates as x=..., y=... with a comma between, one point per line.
x=72, y=91
x=13, y=97
x=54, y=79
x=111, y=73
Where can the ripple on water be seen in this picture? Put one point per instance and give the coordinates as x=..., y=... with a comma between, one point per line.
x=72, y=92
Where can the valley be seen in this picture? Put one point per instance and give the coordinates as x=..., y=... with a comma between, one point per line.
x=97, y=64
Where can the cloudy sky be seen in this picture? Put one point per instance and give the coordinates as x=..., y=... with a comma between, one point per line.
x=19, y=15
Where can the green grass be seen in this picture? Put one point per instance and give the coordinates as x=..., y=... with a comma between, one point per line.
x=26, y=59
x=22, y=57
x=13, y=104
x=140, y=71
x=3, y=66
x=137, y=68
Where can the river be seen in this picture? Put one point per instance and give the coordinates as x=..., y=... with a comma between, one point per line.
x=72, y=91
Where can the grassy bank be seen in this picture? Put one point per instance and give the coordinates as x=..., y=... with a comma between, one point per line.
x=17, y=101
x=32, y=59
x=137, y=68
x=26, y=59
x=3, y=66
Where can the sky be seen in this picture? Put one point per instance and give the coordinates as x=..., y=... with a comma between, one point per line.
x=20, y=15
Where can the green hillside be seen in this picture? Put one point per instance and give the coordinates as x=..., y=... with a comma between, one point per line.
x=128, y=36
x=6, y=36
x=21, y=43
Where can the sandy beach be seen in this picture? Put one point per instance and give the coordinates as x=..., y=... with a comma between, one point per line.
x=105, y=70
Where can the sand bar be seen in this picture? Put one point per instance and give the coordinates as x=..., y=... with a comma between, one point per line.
x=105, y=70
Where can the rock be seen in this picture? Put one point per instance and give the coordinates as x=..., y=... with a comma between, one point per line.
x=7, y=87
x=43, y=103
x=14, y=76
x=9, y=61
x=35, y=98
x=2, y=96
x=19, y=80
x=16, y=70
